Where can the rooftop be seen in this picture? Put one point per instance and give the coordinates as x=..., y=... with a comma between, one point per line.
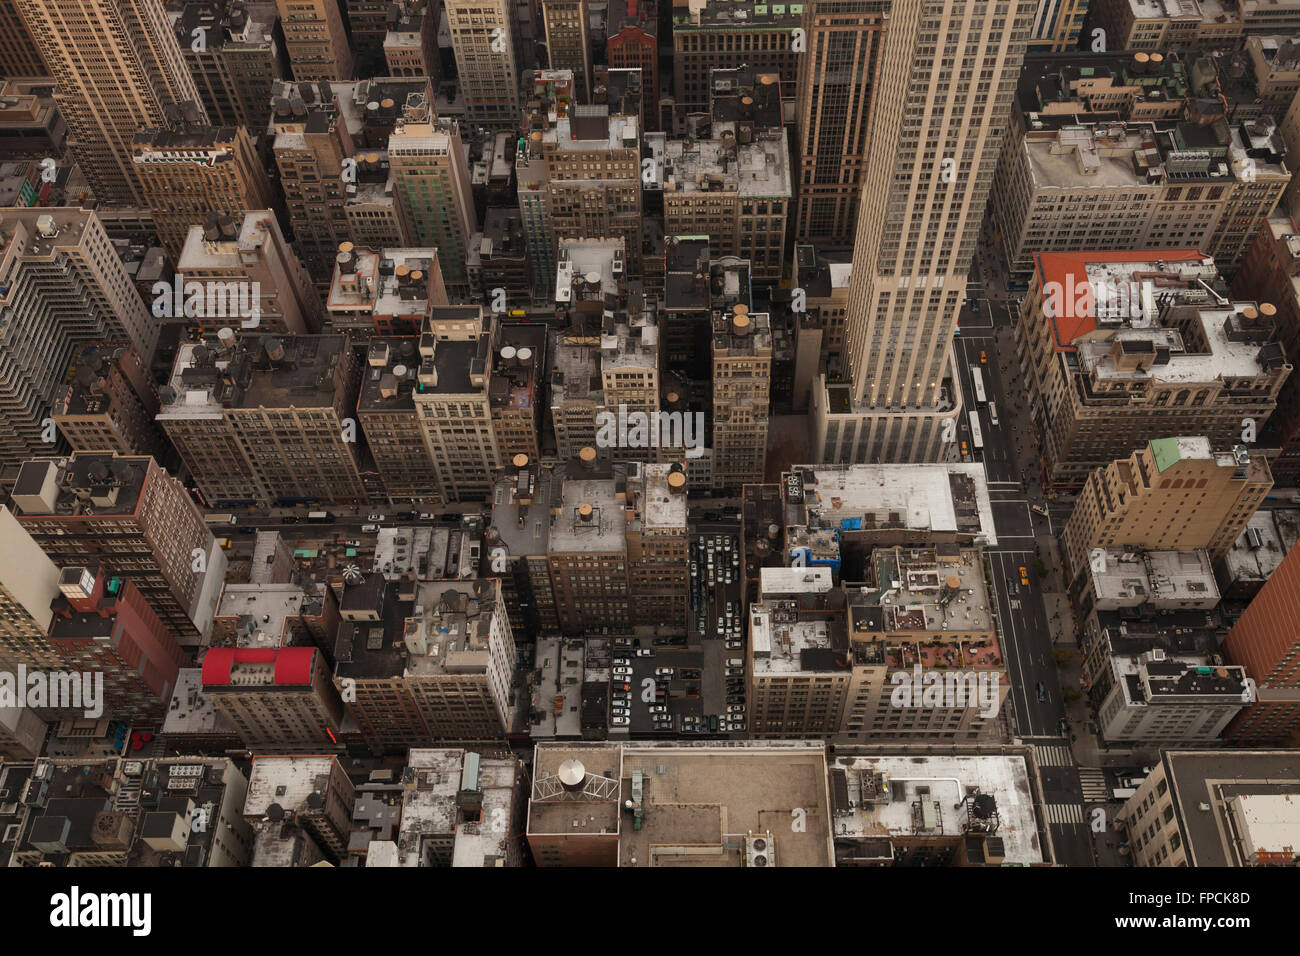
x=1226, y=781
x=223, y=246
x=191, y=711
x=698, y=804
x=294, y=783
x=450, y=627
x=1267, y=539
x=87, y=483
x=263, y=613
x=884, y=793
x=383, y=389
x=521, y=512
x=254, y=371
x=575, y=370
x=942, y=590
x=658, y=508
x=589, y=270
x=1155, y=576
x=1083, y=291
x=944, y=498
x=560, y=677
x=724, y=165
x=591, y=517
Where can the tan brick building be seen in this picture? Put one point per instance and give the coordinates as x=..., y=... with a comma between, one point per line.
x=1170, y=493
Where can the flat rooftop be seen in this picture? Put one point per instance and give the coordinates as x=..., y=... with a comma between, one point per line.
x=1156, y=576
x=916, y=589
x=258, y=371
x=595, y=810
x=67, y=227
x=429, y=806
x=449, y=629
x=575, y=370
x=383, y=389
x=1268, y=538
x=191, y=711
x=113, y=484
x=288, y=781
x=785, y=643
x=521, y=515
x=600, y=528
x=1218, y=778
x=700, y=802
x=945, y=498
x=659, y=508
x=886, y=812
x=757, y=169
x=778, y=581
x=263, y=611
x=560, y=663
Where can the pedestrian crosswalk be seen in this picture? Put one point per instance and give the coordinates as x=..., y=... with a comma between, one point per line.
x=1093, y=782
x=1064, y=813
x=1053, y=756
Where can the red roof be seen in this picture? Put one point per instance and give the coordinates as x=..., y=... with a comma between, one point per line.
x=1069, y=271
x=293, y=665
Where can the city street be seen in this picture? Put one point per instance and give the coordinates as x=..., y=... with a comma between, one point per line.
x=1029, y=632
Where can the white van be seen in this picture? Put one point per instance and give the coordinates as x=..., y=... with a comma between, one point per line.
x=993, y=413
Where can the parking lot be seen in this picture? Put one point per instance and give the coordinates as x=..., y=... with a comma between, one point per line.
x=671, y=689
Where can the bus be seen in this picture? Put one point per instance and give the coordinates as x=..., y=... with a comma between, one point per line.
x=976, y=436
x=220, y=519
x=977, y=377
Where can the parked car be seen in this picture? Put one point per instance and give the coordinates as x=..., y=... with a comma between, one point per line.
x=619, y=721
x=375, y=517
x=735, y=708
x=735, y=662
x=645, y=652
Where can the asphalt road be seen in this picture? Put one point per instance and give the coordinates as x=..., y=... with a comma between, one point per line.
x=1035, y=700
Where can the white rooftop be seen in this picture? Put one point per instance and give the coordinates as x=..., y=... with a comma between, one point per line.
x=1005, y=778
x=776, y=581
x=920, y=494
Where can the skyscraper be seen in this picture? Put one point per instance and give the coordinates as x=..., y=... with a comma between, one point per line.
x=483, y=42
x=129, y=516
x=191, y=169
x=64, y=284
x=742, y=388
x=567, y=44
x=1170, y=493
x=837, y=77
x=1267, y=640
x=948, y=74
x=311, y=140
x=18, y=53
x=315, y=38
x=117, y=64
x=431, y=184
